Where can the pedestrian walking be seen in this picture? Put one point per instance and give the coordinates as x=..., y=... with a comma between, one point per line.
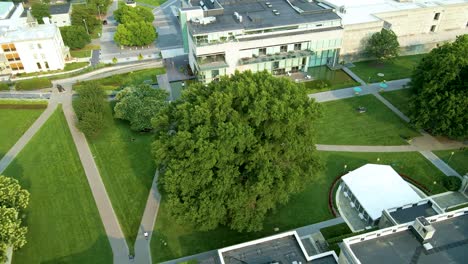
x=146, y=235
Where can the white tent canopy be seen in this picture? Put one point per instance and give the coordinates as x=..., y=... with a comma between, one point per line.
x=379, y=187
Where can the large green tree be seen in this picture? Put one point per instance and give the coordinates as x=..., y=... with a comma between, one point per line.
x=383, y=45
x=82, y=15
x=126, y=14
x=440, y=84
x=139, y=105
x=75, y=37
x=89, y=108
x=39, y=11
x=135, y=34
x=230, y=152
x=13, y=199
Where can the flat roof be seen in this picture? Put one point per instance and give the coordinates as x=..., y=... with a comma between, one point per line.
x=406, y=215
x=5, y=9
x=44, y=31
x=363, y=11
x=378, y=187
x=257, y=15
x=54, y=9
x=450, y=245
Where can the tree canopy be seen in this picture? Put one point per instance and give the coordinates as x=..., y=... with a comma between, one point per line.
x=75, y=37
x=39, y=11
x=440, y=84
x=126, y=14
x=139, y=105
x=135, y=34
x=383, y=45
x=230, y=152
x=13, y=199
x=89, y=108
x=82, y=14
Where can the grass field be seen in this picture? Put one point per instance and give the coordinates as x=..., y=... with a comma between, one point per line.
x=117, y=81
x=342, y=124
x=13, y=124
x=127, y=169
x=64, y=225
x=458, y=161
x=152, y=2
x=336, y=79
x=399, y=68
x=80, y=53
x=308, y=207
x=400, y=99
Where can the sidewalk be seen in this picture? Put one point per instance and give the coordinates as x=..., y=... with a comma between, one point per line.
x=440, y=164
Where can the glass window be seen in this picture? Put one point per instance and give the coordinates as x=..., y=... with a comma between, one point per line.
x=39, y=46
x=297, y=46
x=262, y=51
x=283, y=48
x=436, y=16
x=433, y=28
x=39, y=66
x=46, y=65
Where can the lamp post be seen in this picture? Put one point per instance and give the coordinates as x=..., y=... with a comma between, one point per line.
x=86, y=26
x=344, y=168
x=451, y=155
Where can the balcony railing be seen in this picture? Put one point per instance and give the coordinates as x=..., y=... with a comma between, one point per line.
x=277, y=57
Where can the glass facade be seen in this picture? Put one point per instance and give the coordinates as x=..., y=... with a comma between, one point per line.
x=323, y=57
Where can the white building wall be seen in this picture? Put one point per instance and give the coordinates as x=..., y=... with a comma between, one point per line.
x=41, y=51
x=61, y=20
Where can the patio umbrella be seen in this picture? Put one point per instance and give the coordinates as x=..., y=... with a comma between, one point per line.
x=357, y=89
x=383, y=85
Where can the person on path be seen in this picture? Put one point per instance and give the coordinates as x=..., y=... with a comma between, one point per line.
x=146, y=235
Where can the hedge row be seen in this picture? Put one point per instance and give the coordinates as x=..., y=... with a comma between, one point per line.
x=335, y=231
x=4, y=86
x=23, y=104
x=33, y=84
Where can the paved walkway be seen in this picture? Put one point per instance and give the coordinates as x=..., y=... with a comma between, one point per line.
x=440, y=164
x=109, y=219
x=142, y=245
x=24, y=139
x=354, y=76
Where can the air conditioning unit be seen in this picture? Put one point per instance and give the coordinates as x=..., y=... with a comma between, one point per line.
x=423, y=228
x=352, y=204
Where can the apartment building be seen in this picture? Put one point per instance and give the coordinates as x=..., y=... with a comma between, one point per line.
x=283, y=36
x=279, y=36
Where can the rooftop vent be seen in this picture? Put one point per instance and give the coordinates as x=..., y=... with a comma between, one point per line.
x=423, y=229
x=204, y=20
x=238, y=17
x=276, y=12
x=268, y=4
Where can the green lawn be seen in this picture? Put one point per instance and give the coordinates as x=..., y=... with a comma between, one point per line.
x=459, y=160
x=13, y=124
x=336, y=79
x=342, y=124
x=400, y=99
x=308, y=207
x=80, y=53
x=75, y=65
x=399, y=68
x=127, y=169
x=152, y=2
x=117, y=81
x=64, y=225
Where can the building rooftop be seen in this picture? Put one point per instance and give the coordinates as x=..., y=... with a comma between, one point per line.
x=5, y=9
x=379, y=187
x=449, y=244
x=54, y=9
x=406, y=215
x=363, y=11
x=256, y=14
x=284, y=248
x=37, y=32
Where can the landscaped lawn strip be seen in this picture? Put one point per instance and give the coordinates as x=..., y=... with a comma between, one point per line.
x=459, y=160
x=336, y=79
x=63, y=222
x=13, y=124
x=308, y=207
x=399, y=68
x=152, y=2
x=127, y=168
x=342, y=124
x=400, y=99
x=115, y=82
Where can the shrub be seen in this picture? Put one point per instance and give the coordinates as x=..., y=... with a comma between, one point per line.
x=33, y=84
x=451, y=183
x=4, y=86
x=335, y=231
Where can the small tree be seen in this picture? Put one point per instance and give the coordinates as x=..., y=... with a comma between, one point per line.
x=135, y=34
x=452, y=183
x=440, y=85
x=139, y=105
x=75, y=37
x=13, y=199
x=89, y=108
x=39, y=11
x=125, y=14
x=82, y=15
x=383, y=45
